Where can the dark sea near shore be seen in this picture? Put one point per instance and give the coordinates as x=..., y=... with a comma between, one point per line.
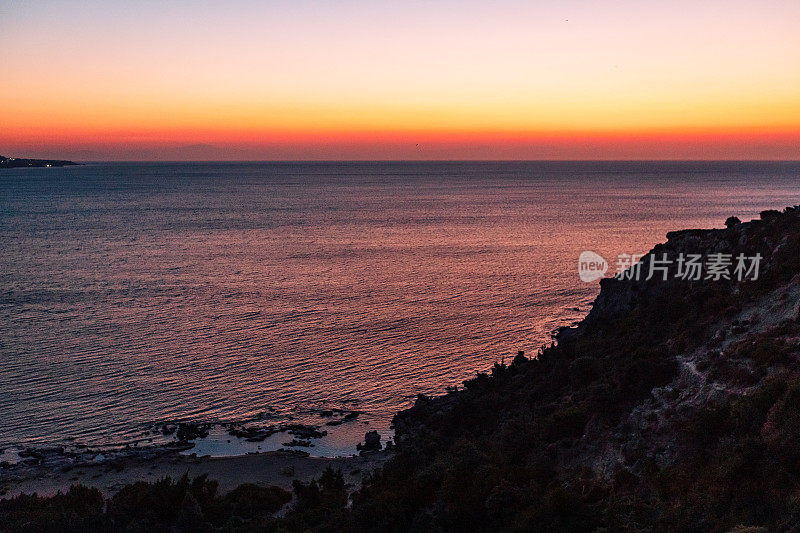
x=134, y=295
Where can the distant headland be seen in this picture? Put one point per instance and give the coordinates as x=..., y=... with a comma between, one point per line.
x=15, y=162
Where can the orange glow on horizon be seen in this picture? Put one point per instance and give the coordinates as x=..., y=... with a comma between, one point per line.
x=464, y=81
x=708, y=144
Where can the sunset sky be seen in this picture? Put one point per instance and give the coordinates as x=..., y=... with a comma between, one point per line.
x=548, y=79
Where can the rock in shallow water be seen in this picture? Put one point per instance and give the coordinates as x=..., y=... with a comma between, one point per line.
x=372, y=442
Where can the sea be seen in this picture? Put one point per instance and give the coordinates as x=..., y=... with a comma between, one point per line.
x=134, y=295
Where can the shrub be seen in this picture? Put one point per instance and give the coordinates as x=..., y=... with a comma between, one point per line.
x=249, y=500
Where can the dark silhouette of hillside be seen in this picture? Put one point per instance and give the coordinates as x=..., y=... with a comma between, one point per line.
x=16, y=162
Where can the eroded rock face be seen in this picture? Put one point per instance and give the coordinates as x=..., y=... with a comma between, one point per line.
x=712, y=367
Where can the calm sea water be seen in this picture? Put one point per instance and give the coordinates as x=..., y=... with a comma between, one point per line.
x=140, y=293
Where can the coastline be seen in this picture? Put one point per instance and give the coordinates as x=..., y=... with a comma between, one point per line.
x=21, y=162
x=276, y=468
x=631, y=407
x=231, y=454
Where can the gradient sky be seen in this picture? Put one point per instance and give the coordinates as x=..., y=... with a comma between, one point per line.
x=547, y=79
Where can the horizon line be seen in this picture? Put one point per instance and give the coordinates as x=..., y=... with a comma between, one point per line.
x=688, y=160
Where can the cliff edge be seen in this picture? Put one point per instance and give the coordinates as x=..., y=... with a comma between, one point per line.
x=674, y=405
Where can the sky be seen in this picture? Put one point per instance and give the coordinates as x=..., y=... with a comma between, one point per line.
x=358, y=79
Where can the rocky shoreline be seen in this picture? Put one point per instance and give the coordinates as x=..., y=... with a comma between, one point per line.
x=278, y=468
x=187, y=441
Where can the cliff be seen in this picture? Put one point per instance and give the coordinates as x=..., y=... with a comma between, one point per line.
x=672, y=406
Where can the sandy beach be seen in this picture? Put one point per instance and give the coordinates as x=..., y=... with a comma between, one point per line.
x=264, y=469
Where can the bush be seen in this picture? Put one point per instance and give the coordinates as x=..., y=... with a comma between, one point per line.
x=249, y=500
x=732, y=221
x=80, y=509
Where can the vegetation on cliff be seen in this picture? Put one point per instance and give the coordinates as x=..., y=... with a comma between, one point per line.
x=673, y=406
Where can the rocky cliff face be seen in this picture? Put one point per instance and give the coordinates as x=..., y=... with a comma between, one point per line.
x=713, y=351
x=671, y=406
